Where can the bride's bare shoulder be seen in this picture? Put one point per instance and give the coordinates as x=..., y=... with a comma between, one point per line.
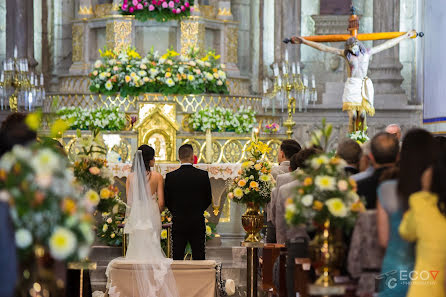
x=157, y=175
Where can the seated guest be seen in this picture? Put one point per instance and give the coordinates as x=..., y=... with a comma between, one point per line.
x=417, y=154
x=365, y=164
x=394, y=129
x=385, y=149
x=424, y=223
x=284, y=232
x=287, y=149
x=13, y=131
x=351, y=152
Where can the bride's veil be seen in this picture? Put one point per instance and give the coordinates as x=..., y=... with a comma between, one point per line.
x=151, y=269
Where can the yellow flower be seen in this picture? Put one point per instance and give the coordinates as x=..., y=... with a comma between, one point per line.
x=318, y=161
x=62, y=243
x=253, y=185
x=358, y=206
x=109, y=85
x=247, y=164
x=336, y=207
x=317, y=205
x=112, y=235
x=308, y=181
x=107, y=54
x=206, y=214
x=290, y=211
x=335, y=160
x=105, y=228
x=208, y=231
x=127, y=79
x=58, y=128
x=242, y=183
x=69, y=206
x=258, y=166
x=238, y=193
x=163, y=234
x=353, y=184
x=191, y=77
x=133, y=54
x=265, y=178
x=170, y=53
x=105, y=193
x=325, y=183
x=33, y=120
x=168, y=74
x=92, y=198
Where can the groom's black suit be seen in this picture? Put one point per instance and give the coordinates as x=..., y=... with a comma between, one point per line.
x=188, y=194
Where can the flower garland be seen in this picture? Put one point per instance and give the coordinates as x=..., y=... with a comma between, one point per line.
x=47, y=206
x=160, y=10
x=255, y=181
x=271, y=128
x=110, y=119
x=222, y=119
x=125, y=72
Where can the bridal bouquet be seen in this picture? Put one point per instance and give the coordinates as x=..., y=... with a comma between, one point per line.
x=255, y=181
x=47, y=206
x=125, y=72
x=161, y=10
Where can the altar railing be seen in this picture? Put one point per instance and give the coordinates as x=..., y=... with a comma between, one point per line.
x=187, y=103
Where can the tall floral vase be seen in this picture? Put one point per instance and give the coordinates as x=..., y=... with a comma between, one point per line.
x=252, y=222
x=326, y=251
x=37, y=276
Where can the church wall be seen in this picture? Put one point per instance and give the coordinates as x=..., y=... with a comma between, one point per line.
x=408, y=21
x=2, y=29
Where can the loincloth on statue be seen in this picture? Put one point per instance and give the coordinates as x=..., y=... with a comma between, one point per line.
x=358, y=95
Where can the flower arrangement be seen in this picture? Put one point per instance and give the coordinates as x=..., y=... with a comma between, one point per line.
x=222, y=119
x=359, y=136
x=111, y=119
x=166, y=218
x=271, y=128
x=127, y=73
x=161, y=10
x=255, y=181
x=47, y=206
x=325, y=193
x=111, y=231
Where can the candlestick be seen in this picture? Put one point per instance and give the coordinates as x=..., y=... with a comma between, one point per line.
x=41, y=79
x=286, y=55
x=284, y=69
x=15, y=52
x=298, y=68
x=293, y=68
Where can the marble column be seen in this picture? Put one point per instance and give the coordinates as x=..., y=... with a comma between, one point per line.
x=287, y=16
x=385, y=68
x=20, y=29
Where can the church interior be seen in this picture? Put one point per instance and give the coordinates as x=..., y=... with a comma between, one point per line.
x=236, y=80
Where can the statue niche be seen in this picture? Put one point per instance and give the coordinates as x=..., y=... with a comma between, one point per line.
x=158, y=129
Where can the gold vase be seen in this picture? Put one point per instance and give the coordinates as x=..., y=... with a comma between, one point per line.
x=252, y=222
x=326, y=252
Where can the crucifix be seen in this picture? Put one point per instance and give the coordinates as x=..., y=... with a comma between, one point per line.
x=358, y=95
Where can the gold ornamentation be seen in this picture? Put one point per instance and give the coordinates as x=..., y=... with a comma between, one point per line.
x=252, y=222
x=192, y=35
x=85, y=10
x=224, y=12
x=123, y=149
x=232, y=151
x=216, y=149
x=78, y=42
x=232, y=45
x=102, y=10
x=238, y=86
x=118, y=34
x=207, y=11
x=273, y=154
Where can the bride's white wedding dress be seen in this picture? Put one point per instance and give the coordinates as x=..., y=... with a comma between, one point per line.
x=151, y=268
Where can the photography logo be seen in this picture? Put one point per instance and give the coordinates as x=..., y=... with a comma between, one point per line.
x=391, y=279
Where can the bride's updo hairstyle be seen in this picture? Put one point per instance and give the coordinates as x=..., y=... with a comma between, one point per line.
x=148, y=154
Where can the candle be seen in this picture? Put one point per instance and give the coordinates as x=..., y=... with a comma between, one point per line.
x=284, y=69
x=209, y=150
x=298, y=68
x=293, y=68
x=286, y=55
x=276, y=69
x=41, y=79
x=2, y=77
x=313, y=82
x=30, y=100
x=265, y=86
x=15, y=52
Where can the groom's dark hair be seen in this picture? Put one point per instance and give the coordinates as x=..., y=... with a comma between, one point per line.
x=185, y=151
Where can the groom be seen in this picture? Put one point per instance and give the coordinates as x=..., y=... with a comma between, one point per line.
x=187, y=195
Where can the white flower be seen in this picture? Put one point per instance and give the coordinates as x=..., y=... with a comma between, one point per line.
x=62, y=243
x=98, y=63
x=209, y=76
x=219, y=83
x=230, y=287
x=170, y=82
x=45, y=162
x=92, y=198
x=83, y=251
x=318, y=161
x=336, y=207
x=23, y=238
x=342, y=185
x=7, y=161
x=222, y=74
x=109, y=85
x=87, y=232
x=22, y=152
x=44, y=180
x=325, y=183
x=307, y=200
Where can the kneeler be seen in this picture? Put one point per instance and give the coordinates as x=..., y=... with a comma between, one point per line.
x=271, y=252
x=193, y=279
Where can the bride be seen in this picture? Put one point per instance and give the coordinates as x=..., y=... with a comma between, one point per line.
x=151, y=269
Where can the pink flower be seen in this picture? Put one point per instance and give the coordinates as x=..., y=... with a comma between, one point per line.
x=151, y=8
x=146, y=3
x=126, y=1
x=154, y=2
x=183, y=8
x=124, y=7
x=94, y=170
x=186, y=4
x=191, y=9
x=174, y=11
x=135, y=2
x=177, y=1
x=131, y=9
x=139, y=6
x=178, y=10
x=171, y=4
x=165, y=5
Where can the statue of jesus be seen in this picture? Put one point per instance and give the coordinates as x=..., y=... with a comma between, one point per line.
x=358, y=95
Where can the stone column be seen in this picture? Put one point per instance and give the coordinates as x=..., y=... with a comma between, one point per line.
x=385, y=68
x=192, y=34
x=20, y=29
x=287, y=16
